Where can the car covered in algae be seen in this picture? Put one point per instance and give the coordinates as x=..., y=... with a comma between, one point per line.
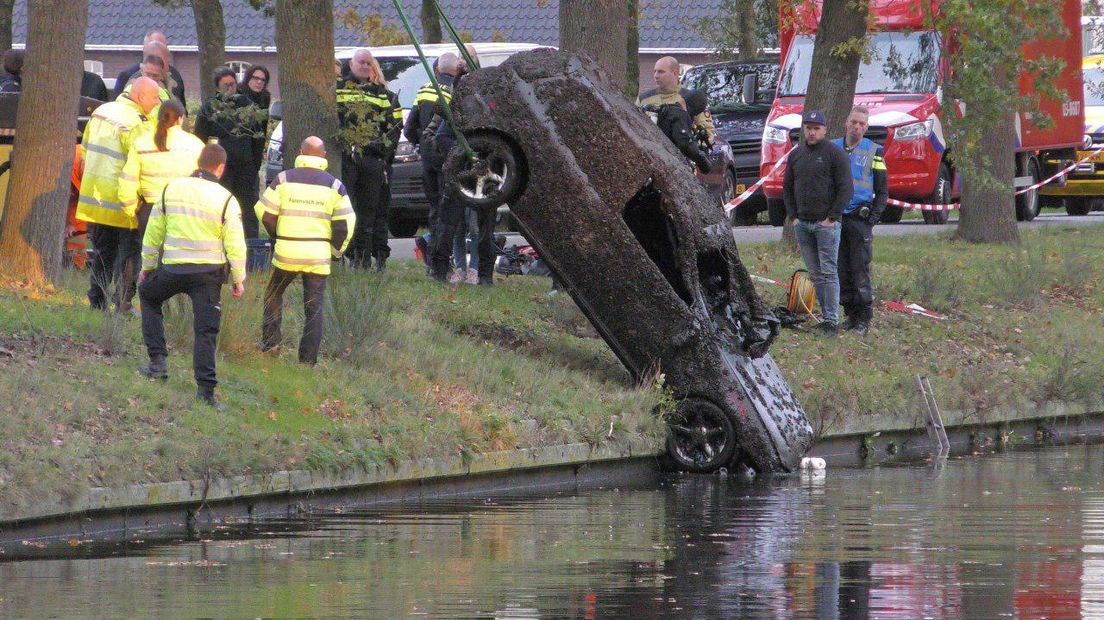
x=640, y=246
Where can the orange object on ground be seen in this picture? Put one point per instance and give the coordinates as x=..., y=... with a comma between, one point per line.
x=76, y=231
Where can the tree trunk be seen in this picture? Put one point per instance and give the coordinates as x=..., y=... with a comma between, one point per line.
x=305, y=48
x=212, y=42
x=988, y=213
x=749, y=42
x=6, y=8
x=431, y=24
x=632, y=77
x=832, y=76
x=32, y=229
x=600, y=29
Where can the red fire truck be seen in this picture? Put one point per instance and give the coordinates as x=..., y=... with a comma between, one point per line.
x=903, y=88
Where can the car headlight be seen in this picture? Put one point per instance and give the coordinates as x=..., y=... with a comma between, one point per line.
x=775, y=135
x=913, y=131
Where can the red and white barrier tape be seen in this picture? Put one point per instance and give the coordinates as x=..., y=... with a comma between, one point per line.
x=768, y=281
x=735, y=202
x=912, y=309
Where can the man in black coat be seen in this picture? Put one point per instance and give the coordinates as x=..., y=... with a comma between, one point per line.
x=155, y=43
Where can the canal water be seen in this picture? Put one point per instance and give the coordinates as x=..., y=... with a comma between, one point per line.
x=1009, y=535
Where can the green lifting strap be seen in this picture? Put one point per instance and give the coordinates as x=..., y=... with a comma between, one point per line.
x=473, y=64
x=445, y=105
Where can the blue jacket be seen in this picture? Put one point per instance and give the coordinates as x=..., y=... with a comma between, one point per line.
x=868, y=173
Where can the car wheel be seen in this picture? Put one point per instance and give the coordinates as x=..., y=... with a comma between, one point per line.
x=728, y=188
x=403, y=228
x=1027, y=204
x=941, y=195
x=1078, y=206
x=493, y=178
x=776, y=210
x=701, y=437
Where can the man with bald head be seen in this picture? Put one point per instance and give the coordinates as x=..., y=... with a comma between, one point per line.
x=668, y=92
x=112, y=129
x=307, y=211
x=155, y=44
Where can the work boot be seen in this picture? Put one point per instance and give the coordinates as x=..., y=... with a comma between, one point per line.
x=860, y=328
x=158, y=368
x=206, y=395
x=827, y=328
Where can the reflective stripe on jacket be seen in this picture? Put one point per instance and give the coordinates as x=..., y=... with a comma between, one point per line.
x=306, y=201
x=371, y=117
x=110, y=132
x=147, y=169
x=198, y=223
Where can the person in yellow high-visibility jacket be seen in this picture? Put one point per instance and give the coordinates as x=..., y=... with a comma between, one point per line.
x=307, y=211
x=110, y=132
x=195, y=226
x=156, y=158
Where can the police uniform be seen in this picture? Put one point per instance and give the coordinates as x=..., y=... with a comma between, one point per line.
x=371, y=121
x=195, y=226
x=308, y=213
x=869, y=176
x=421, y=115
x=148, y=169
x=108, y=137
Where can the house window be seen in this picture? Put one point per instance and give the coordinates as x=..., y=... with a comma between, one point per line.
x=94, y=66
x=240, y=67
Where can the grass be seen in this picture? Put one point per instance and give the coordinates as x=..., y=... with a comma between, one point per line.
x=411, y=369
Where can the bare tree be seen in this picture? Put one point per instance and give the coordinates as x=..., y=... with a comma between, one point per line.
x=431, y=24
x=6, y=8
x=305, y=44
x=600, y=29
x=32, y=229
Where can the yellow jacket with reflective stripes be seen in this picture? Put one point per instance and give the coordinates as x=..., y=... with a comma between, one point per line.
x=162, y=93
x=428, y=93
x=110, y=132
x=198, y=223
x=306, y=203
x=148, y=169
x=370, y=116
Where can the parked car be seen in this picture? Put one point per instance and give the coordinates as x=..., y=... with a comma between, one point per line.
x=405, y=75
x=739, y=120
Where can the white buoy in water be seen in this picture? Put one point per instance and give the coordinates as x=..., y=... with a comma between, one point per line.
x=813, y=462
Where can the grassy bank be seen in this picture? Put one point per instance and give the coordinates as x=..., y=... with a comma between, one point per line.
x=413, y=370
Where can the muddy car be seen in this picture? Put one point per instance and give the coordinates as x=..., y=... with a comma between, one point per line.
x=639, y=244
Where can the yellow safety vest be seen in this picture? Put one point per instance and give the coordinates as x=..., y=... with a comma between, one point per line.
x=162, y=93
x=197, y=223
x=428, y=93
x=148, y=169
x=110, y=132
x=305, y=201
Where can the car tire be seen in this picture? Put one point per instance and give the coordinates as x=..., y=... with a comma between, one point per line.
x=403, y=228
x=1078, y=205
x=503, y=159
x=1027, y=204
x=941, y=195
x=776, y=211
x=701, y=437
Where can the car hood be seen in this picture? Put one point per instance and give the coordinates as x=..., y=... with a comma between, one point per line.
x=740, y=123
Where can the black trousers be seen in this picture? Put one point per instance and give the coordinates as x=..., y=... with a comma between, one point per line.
x=431, y=183
x=205, y=291
x=365, y=179
x=451, y=215
x=241, y=179
x=314, y=291
x=116, y=256
x=855, y=251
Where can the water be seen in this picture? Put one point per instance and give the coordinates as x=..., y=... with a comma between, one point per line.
x=1013, y=535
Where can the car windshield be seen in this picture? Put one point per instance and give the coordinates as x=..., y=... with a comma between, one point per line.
x=723, y=84
x=1094, y=86
x=404, y=75
x=901, y=63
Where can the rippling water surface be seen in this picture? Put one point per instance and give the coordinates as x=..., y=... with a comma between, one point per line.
x=1014, y=535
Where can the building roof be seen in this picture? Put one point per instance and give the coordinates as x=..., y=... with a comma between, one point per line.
x=122, y=24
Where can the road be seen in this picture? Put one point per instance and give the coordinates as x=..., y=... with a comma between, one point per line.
x=404, y=247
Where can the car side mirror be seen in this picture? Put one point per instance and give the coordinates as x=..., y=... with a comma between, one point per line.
x=751, y=88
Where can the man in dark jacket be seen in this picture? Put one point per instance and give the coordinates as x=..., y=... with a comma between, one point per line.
x=816, y=189
x=426, y=107
x=155, y=43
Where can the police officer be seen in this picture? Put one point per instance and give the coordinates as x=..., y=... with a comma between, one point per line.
x=668, y=92
x=155, y=158
x=111, y=131
x=308, y=213
x=421, y=115
x=868, y=172
x=371, y=121
x=196, y=228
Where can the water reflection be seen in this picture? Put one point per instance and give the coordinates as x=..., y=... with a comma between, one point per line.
x=1010, y=535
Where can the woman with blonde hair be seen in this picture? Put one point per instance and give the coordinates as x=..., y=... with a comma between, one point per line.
x=371, y=119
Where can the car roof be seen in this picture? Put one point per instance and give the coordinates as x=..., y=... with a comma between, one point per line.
x=436, y=49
